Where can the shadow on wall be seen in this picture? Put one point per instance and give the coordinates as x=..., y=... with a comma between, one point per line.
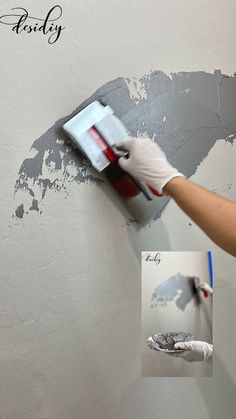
x=186, y=113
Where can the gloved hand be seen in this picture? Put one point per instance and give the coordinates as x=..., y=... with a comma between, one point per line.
x=206, y=289
x=195, y=351
x=147, y=162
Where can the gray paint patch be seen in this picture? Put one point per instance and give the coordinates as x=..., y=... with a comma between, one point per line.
x=35, y=205
x=19, y=212
x=178, y=288
x=185, y=113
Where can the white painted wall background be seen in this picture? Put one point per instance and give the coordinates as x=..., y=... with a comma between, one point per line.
x=70, y=283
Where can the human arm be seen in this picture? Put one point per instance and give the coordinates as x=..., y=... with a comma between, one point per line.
x=215, y=215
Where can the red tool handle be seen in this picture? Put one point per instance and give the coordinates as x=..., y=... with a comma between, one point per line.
x=109, y=153
x=205, y=293
x=154, y=191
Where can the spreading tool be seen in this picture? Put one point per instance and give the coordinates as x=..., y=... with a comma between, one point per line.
x=165, y=342
x=97, y=131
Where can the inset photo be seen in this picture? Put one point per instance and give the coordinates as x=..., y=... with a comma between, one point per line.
x=177, y=292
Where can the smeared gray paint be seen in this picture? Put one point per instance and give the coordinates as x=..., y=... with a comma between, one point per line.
x=53, y=151
x=180, y=286
x=35, y=205
x=185, y=113
x=19, y=212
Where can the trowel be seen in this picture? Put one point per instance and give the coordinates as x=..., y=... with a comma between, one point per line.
x=97, y=132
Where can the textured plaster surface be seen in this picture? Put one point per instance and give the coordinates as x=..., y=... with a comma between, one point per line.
x=185, y=113
x=70, y=277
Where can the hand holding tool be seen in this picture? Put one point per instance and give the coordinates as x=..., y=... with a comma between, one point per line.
x=148, y=163
x=194, y=351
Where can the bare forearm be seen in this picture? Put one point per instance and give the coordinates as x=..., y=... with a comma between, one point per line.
x=215, y=215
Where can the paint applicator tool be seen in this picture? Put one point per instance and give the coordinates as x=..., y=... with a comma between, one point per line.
x=203, y=287
x=97, y=131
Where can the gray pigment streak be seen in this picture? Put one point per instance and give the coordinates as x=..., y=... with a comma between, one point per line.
x=180, y=286
x=20, y=211
x=185, y=113
x=35, y=205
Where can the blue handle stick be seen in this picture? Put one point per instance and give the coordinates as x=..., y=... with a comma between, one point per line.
x=210, y=268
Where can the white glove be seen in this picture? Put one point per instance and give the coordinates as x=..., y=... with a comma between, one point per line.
x=147, y=162
x=206, y=289
x=194, y=351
